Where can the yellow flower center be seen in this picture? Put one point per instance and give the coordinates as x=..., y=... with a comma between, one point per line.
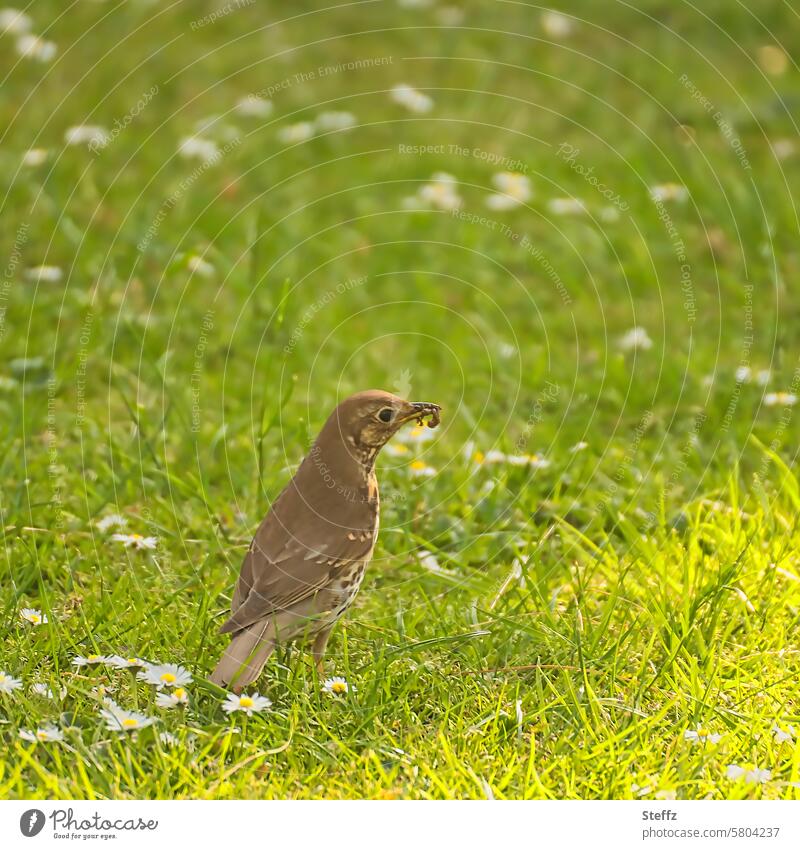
x=168, y=678
x=338, y=687
x=93, y=658
x=246, y=702
x=179, y=693
x=702, y=732
x=136, y=536
x=418, y=465
x=34, y=618
x=133, y=660
x=41, y=735
x=479, y=457
x=130, y=722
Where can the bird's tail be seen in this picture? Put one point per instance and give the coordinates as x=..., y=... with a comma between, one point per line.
x=245, y=657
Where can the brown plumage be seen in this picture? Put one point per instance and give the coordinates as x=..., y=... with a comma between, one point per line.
x=307, y=559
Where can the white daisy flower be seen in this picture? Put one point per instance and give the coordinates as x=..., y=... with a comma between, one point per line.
x=88, y=134
x=566, y=206
x=165, y=675
x=413, y=100
x=34, y=616
x=609, y=214
x=783, y=735
x=336, y=686
x=668, y=192
x=45, y=691
x=8, y=683
x=44, y=274
x=328, y=121
x=780, y=399
x=196, y=147
x=514, y=190
x=32, y=47
x=45, y=734
x=169, y=740
x=430, y=563
x=14, y=22
x=415, y=435
x=763, y=376
x=294, y=133
x=253, y=106
x=556, y=25
x=112, y=521
x=441, y=192
x=197, y=265
x=397, y=449
x=578, y=446
x=751, y=774
x=635, y=339
x=34, y=157
x=536, y=461
x=123, y=721
x=136, y=541
x=119, y=662
x=743, y=374
x=420, y=469
x=89, y=660
x=701, y=735
x=249, y=704
x=178, y=696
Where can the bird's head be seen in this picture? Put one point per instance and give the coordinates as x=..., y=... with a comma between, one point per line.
x=369, y=419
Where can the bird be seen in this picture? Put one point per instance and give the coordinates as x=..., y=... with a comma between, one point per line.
x=307, y=559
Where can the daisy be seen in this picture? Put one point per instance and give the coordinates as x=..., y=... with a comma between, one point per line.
x=112, y=521
x=32, y=47
x=534, y=460
x=669, y=191
x=294, y=133
x=119, y=662
x=413, y=100
x=178, y=696
x=169, y=740
x=89, y=660
x=751, y=774
x=33, y=157
x=35, y=617
x=780, y=399
x=441, y=192
x=121, y=720
x=396, y=449
x=329, y=121
x=609, y=214
x=783, y=735
x=196, y=147
x=165, y=675
x=88, y=134
x=197, y=265
x=429, y=562
x=44, y=690
x=636, y=338
x=8, y=683
x=743, y=374
x=566, y=206
x=136, y=541
x=763, y=377
x=701, y=735
x=578, y=446
x=336, y=686
x=14, y=22
x=420, y=469
x=253, y=106
x=44, y=274
x=45, y=734
x=248, y=704
x=556, y=25
x=514, y=190
x=415, y=435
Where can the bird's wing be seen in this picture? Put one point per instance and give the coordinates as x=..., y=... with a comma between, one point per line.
x=290, y=559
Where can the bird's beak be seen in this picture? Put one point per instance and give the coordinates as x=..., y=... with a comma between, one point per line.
x=418, y=410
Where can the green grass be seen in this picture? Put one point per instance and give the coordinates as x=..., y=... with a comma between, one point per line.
x=659, y=585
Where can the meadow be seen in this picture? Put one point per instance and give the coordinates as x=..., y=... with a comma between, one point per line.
x=576, y=232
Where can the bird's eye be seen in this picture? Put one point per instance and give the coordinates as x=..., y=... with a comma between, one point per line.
x=386, y=414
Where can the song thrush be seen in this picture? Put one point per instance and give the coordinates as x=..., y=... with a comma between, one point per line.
x=307, y=559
